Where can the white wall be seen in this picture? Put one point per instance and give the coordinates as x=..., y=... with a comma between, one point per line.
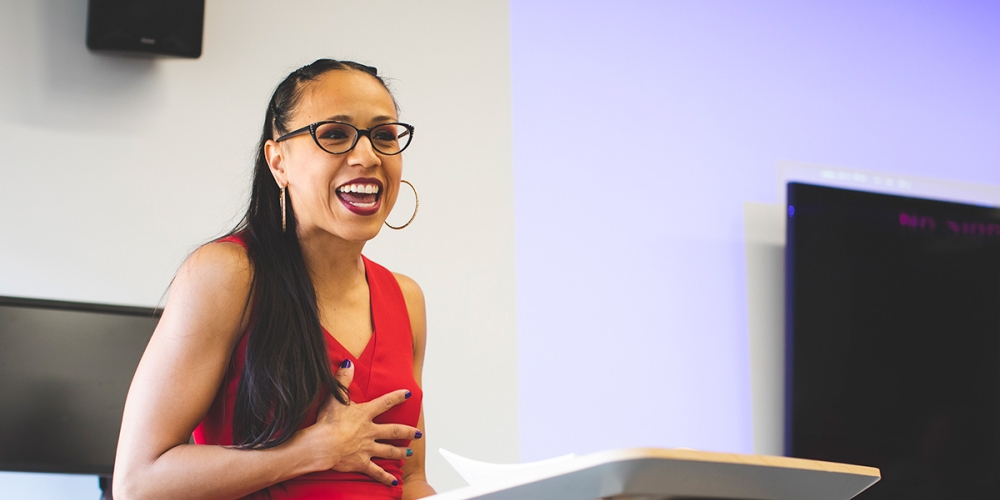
x=117, y=167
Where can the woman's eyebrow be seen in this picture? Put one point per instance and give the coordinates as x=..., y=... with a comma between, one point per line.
x=347, y=119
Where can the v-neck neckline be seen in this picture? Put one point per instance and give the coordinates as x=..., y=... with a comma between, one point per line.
x=371, y=313
x=364, y=352
x=362, y=362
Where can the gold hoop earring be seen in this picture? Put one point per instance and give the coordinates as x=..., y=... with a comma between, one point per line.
x=416, y=207
x=281, y=200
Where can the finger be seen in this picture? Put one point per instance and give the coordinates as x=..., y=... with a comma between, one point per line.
x=379, y=474
x=345, y=374
x=396, y=431
x=391, y=452
x=381, y=404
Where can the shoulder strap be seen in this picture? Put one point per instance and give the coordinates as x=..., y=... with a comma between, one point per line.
x=233, y=238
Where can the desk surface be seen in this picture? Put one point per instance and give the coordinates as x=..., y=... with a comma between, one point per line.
x=655, y=473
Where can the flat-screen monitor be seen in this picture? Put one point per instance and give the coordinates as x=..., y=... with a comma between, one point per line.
x=65, y=369
x=893, y=339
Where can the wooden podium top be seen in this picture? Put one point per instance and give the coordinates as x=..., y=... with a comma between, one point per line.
x=676, y=474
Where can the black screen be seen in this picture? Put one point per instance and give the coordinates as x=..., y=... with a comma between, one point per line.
x=893, y=330
x=65, y=369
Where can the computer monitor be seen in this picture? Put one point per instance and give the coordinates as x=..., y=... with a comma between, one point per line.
x=65, y=369
x=893, y=331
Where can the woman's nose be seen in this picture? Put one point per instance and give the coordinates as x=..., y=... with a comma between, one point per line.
x=363, y=153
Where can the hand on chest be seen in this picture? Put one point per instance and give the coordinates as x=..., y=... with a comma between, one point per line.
x=370, y=325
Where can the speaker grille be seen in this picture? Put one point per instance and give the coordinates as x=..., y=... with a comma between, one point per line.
x=163, y=27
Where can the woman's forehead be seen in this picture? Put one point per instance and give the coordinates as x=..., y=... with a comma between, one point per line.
x=344, y=93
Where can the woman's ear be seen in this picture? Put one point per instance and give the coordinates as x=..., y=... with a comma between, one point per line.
x=275, y=162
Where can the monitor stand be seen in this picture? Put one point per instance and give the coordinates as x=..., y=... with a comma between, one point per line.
x=105, y=483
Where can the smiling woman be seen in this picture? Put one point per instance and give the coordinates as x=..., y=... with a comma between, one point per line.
x=334, y=137
x=243, y=358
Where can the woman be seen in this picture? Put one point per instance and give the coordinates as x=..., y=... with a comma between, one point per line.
x=268, y=332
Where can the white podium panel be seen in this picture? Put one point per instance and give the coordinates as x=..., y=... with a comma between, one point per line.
x=676, y=474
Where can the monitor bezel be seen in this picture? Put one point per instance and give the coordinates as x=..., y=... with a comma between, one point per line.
x=153, y=313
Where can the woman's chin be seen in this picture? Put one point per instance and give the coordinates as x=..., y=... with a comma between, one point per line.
x=355, y=231
x=363, y=230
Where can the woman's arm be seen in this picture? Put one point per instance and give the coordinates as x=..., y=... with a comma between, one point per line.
x=414, y=478
x=178, y=378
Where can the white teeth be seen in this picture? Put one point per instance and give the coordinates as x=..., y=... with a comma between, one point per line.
x=359, y=188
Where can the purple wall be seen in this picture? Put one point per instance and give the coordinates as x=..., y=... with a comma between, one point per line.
x=641, y=128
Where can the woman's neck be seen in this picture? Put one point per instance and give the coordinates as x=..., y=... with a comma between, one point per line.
x=334, y=264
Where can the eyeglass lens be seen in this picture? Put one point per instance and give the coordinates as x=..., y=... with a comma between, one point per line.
x=339, y=138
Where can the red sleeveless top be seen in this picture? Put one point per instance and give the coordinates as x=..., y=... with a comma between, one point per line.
x=385, y=365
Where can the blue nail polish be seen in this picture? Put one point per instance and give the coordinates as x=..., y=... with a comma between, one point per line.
x=395, y=482
x=346, y=364
x=418, y=435
x=408, y=394
x=409, y=452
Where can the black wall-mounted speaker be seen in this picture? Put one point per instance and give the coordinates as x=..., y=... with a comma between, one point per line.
x=158, y=27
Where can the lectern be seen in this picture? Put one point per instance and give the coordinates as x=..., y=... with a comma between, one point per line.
x=678, y=474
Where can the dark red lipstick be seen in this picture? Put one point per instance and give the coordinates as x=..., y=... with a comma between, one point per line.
x=362, y=196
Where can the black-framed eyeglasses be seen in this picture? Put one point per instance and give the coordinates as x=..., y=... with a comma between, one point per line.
x=339, y=138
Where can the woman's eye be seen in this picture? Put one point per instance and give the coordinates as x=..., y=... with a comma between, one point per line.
x=334, y=134
x=384, y=135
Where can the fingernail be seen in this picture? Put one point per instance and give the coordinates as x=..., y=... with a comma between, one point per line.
x=395, y=482
x=346, y=364
x=408, y=394
x=409, y=452
x=418, y=435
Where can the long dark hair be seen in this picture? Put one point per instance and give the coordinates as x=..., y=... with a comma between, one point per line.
x=286, y=369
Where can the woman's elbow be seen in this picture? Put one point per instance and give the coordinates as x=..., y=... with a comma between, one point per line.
x=128, y=483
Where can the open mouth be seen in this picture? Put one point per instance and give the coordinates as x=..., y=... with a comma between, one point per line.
x=361, y=196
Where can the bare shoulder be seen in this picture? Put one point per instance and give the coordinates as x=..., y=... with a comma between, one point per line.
x=225, y=262
x=411, y=290
x=212, y=287
x=417, y=310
